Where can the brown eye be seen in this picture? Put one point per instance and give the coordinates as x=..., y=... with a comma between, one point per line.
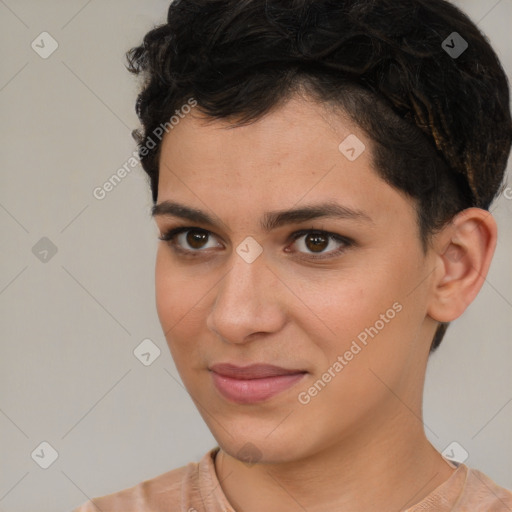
x=316, y=242
x=196, y=239
x=190, y=240
x=319, y=244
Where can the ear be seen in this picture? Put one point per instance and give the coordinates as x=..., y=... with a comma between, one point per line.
x=463, y=253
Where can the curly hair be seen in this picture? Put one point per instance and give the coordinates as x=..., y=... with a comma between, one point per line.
x=439, y=123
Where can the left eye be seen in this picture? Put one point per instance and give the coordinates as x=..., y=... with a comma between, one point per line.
x=316, y=242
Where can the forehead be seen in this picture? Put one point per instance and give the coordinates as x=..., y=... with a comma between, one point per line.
x=301, y=152
x=299, y=136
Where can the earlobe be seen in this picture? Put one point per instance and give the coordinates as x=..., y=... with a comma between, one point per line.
x=464, y=250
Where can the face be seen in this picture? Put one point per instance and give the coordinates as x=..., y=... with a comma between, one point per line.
x=290, y=253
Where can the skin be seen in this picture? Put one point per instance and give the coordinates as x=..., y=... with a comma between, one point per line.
x=362, y=435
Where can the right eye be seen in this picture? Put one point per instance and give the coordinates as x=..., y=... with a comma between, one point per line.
x=188, y=240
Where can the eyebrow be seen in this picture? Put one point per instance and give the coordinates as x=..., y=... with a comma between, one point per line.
x=270, y=220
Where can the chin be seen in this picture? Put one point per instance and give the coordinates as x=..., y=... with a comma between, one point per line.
x=262, y=444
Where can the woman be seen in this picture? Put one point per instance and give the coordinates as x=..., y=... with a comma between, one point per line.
x=321, y=173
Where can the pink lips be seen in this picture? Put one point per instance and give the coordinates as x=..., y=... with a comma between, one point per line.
x=254, y=383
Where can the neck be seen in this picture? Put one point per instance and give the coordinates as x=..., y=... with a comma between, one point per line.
x=388, y=467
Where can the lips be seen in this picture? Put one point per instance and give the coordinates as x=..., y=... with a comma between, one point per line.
x=253, y=371
x=253, y=383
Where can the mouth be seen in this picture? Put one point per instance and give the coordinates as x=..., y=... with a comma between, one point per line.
x=253, y=383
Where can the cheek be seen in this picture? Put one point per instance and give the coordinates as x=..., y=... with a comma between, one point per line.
x=178, y=298
x=372, y=321
x=369, y=312
x=165, y=288
x=183, y=298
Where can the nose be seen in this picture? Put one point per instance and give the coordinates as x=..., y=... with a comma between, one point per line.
x=248, y=302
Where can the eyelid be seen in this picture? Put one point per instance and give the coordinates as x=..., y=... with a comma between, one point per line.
x=169, y=236
x=332, y=254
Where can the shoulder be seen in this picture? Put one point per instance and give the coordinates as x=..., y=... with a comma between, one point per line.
x=482, y=494
x=155, y=494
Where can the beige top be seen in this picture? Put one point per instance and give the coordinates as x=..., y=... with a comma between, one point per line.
x=195, y=488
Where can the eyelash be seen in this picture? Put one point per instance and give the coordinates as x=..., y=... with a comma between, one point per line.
x=170, y=235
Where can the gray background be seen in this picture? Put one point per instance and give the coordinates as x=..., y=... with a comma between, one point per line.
x=70, y=324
